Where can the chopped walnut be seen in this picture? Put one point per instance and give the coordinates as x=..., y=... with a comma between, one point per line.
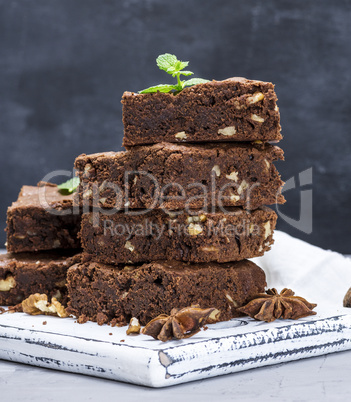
x=87, y=194
x=88, y=167
x=134, y=326
x=7, y=284
x=38, y=304
x=256, y=97
x=232, y=176
x=209, y=249
x=227, y=131
x=257, y=118
x=194, y=229
x=194, y=218
x=267, y=229
x=217, y=170
x=243, y=186
x=181, y=135
x=229, y=297
x=129, y=246
x=213, y=317
x=234, y=197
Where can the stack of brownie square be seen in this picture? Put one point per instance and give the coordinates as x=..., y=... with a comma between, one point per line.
x=42, y=243
x=172, y=221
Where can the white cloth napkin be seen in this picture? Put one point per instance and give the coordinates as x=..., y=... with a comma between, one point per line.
x=320, y=276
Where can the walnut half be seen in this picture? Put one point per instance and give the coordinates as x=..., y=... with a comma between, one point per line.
x=38, y=304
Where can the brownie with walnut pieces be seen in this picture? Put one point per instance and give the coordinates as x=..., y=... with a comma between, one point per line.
x=235, y=109
x=42, y=219
x=176, y=176
x=24, y=274
x=193, y=236
x=114, y=294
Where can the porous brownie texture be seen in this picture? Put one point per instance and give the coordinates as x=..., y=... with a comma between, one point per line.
x=24, y=274
x=235, y=109
x=222, y=236
x=115, y=294
x=177, y=176
x=42, y=219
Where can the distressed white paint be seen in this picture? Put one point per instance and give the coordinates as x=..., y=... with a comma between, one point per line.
x=226, y=347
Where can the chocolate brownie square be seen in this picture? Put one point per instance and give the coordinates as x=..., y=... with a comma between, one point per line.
x=192, y=236
x=42, y=219
x=235, y=109
x=176, y=176
x=115, y=294
x=24, y=274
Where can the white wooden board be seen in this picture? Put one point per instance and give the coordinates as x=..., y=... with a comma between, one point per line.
x=227, y=347
x=320, y=276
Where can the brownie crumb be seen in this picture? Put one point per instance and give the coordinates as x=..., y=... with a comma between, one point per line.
x=82, y=319
x=122, y=340
x=44, y=322
x=101, y=318
x=15, y=309
x=110, y=333
x=2, y=310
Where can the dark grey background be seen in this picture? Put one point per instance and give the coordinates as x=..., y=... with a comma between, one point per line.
x=65, y=64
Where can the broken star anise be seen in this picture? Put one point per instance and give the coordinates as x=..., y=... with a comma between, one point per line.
x=272, y=305
x=179, y=324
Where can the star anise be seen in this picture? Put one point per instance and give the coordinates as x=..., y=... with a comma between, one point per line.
x=272, y=305
x=179, y=324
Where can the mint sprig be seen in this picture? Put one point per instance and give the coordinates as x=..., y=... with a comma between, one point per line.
x=69, y=186
x=171, y=65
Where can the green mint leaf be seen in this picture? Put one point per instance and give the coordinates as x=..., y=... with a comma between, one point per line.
x=172, y=71
x=186, y=73
x=69, y=186
x=181, y=64
x=166, y=61
x=171, y=65
x=161, y=88
x=194, y=81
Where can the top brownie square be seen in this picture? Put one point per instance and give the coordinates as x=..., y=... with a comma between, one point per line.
x=235, y=109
